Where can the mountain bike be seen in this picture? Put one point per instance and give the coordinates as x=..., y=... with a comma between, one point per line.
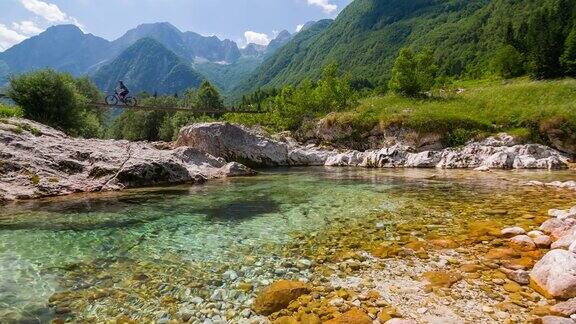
x=112, y=100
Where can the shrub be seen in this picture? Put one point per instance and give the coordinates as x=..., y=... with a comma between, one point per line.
x=58, y=100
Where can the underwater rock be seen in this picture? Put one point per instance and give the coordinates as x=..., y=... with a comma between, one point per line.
x=513, y=231
x=42, y=161
x=278, y=296
x=353, y=316
x=555, y=274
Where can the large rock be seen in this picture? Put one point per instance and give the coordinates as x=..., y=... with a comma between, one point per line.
x=555, y=275
x=38, y=161
x=237, y=143
x=278, y=296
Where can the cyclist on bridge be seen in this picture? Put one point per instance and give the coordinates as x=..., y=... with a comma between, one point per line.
x=122, y=90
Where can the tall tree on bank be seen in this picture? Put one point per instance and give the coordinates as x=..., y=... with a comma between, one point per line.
x=209, y=98
x=413, y=73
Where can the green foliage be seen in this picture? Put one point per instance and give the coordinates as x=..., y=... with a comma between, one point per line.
x=507, y=62
x=10, y=111
x=465, y=35
x=154, y=125
x=208, y=98
x=148, y=66
x=58, y=100
x=413, y=74
x=529, y=108
x=143, y=125
x=291, y=107
x=568, y=59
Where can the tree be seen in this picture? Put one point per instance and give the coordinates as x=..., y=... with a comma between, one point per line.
x=413, y=74
x=507, y=62
x=568, y=59
x=209, y=98
x=58, y=100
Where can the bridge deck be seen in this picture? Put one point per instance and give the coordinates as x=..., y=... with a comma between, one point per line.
x=195, y=111
x=198, y=111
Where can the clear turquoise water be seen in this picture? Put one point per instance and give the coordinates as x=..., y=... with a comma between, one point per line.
x=223, y=221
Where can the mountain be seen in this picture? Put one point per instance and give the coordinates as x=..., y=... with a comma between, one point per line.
x=253, y=50
x=368, y=34
x=227, y=76
x=64, y=48
x=149, y=66
x=285, y=59
x=280, y=40
x=211, y=48
x=189, y=46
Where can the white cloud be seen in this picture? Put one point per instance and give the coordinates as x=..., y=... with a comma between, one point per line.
x=9, y=37
x=299, y=28
x=256, y=38
x=28, y=28
x=50, y=12
x=324, y=4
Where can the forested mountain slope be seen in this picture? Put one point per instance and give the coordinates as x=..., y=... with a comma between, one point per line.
x=148, y=66
x=464, y=35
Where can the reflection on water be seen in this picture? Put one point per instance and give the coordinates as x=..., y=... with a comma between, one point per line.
x=42, y=242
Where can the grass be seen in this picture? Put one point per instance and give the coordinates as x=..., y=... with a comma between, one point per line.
x=10, y=111
x=525, y=108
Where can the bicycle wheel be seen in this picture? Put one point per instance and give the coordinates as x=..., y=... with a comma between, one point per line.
x=131, y=102
x=111, y=100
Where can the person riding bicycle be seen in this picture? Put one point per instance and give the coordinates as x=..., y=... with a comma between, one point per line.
x=122, y=90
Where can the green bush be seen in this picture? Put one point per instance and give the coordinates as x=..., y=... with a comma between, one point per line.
x=58, y=100
x=413, y=74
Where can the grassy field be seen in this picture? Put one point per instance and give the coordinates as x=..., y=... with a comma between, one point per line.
x=522, y=107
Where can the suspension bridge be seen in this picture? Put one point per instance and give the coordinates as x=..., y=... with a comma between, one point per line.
x=231, y=110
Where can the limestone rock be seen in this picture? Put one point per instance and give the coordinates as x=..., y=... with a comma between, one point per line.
x=240, y=144
x=40, y=161
x=565, y=308
x=556, y=320
x=523, y=242
x=564, y=241
x=513, y=231
x=278, y=295
x=543, y=241
x=555, y=274
x=520, y=276
x=557, y=228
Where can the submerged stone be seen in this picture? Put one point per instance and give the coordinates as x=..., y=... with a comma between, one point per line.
x=278, y=296
x=442, y=278
x=353, y=316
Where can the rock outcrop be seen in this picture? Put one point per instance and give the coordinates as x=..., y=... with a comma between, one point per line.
x=38, y=161
x=237, y=143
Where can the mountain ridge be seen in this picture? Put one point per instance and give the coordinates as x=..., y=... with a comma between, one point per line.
x=149, y=66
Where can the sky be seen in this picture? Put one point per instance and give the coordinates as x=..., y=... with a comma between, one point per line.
x=243, y=21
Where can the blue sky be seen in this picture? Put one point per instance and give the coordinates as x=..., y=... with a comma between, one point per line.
x=257, y=20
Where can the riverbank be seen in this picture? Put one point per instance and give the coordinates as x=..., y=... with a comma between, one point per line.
x=38, y=161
